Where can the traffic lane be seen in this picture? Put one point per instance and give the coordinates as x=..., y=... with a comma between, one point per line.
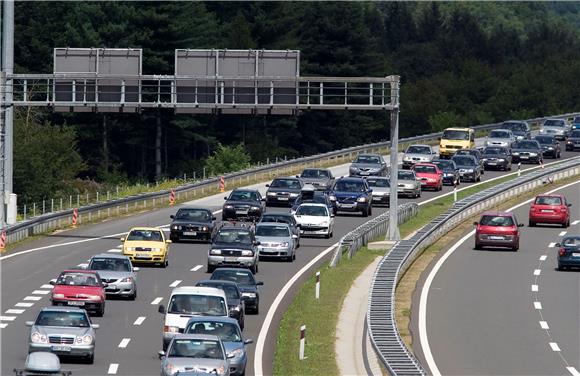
x=480, y=310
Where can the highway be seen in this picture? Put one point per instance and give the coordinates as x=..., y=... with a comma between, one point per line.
x=496, y=312
x=130, y=333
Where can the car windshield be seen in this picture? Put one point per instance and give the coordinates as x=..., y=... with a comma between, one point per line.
x=311, y=197
x=145, y=235
x=272, y=231
x=466, y=152
x=349, y=186
x=494, y=151
x=242, y=277
x=198, y=304
x=382, y=183
x=575, y=134
x=315, y=174
x=243, y=196
x=464, y=161
x=548, y=200
x=368, y=159
x=194, y=215
x=425, y=169
x=66, y=319
x=415, y=149
x=78, y=279
x=230, y=290
x=518, y=127
x=496, y=220
x=234, y=236
x=405, y=175
x=526, y=145
x=315, y=211
x=575, y=241
x=111, y=264
x=195, y=348
x=277, y=218
x=499, y=134
x=286, y=183
x=445, y=165
x=544, y=140
x=554, y=123
x=226, y=331
x=455, y=135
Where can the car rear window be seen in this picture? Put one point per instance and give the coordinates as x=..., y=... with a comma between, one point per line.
x=496, y=220
x=547, y=200
x=65, y=319
x=571, y=242
x=499, y=134
x=274, y=231
x=425, y=169
x=227, y=332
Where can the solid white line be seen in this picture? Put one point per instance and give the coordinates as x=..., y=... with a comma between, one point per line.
x=115, y=250
x=113, y=367
x=7, y=318
x=537, y=271
x=575, y=222
x=41, y=292
x=2, y=326
x=544, y=325
x=554, y=346
x=535, y=288
x=139, y=320
x=196, y=268
x=543, y=257
x=260, y=343
x=124, y=342
x=14, y=311
x=573, y=371
x=552, y=245
x=33, y=298
x=423, y=337
x=175, y=283
x=26, y=305
x=47, y=287
x=562, y=233
x=156, y=301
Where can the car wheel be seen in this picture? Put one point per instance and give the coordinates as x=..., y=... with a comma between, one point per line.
x=365, y=213
x=101, y=310
x=560, y=267
x=210, y=268
x=516, y=248
x=134, y=295
x=510, y=167
x=166, y=263
x=531, y=224
x=256, y=310
x=564, y=225
x=254, y=269
x=477, y=246
x=90, y=359
x=293, y=256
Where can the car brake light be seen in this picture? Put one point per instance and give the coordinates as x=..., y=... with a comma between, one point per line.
x=562, y=252
x=563, y=208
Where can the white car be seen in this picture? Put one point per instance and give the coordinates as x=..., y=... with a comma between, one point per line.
x=500, y=137
x=315, y=219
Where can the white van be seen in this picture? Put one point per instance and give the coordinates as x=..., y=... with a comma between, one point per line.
x=189, y=301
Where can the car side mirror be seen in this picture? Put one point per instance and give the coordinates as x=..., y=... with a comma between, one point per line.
x=135, y=269
x=558, y=245
x=439, y=138
x=168, y=241
x=568, y=205
x=172, y=216
x=331, y=215
x=259, y=283
x=298, y=176
x=370, y=191
x=52, y=282
x=475, y=223
x=230, y=356
x=161, y=354
x=298, y=225
x=29, y=323
x=294, y=236
x=521, y=225
x=122, y=240
x=256, y=242
x=248, y=341
x=213, y=218
x=161, y=309
x=95, y=326
x=267, y=185
x=225, y=198
x=263, y=199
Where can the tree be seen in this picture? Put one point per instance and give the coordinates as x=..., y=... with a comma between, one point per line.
x=227, y=159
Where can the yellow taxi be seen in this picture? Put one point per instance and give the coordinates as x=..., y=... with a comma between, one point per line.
x=147, y=245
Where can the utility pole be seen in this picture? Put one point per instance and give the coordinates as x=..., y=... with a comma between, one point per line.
x=393, y=233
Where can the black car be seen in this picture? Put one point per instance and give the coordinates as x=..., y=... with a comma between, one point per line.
x=243, y=204
x=246, y=283
x=317, y=197
x=368, y=165
x=469, y=167
x=284, y=218
x=319, y=178
x=450, y=171
x=496, y=157
x=283, y=191
x=352, y=195
x=520, y=129
x=236, y=305
x=569, y=252
x=527, y=151
x=476, y=153
x=192, y=224
x=573, y=141
x=550, y=146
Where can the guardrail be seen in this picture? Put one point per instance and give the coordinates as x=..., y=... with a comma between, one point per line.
x=369, y=231
x=51, y=221
x=383, y=330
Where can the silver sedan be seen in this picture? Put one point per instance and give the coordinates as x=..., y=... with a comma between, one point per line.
x=276, y=240
x=408, y=185
x=118, y=272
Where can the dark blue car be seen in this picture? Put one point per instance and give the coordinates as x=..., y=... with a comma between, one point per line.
x=352, y=194
x=569, y=252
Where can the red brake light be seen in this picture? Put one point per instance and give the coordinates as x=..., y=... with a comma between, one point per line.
x=562, y=252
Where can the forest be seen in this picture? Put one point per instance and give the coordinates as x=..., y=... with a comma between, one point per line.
x=461, y=64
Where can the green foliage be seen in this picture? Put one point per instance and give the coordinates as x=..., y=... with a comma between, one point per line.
x=227, y=159
x=446, y=119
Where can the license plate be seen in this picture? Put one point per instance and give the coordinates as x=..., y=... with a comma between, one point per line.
x=241, y=212
x=364, y=173
x=282, y=198
x=575, y=254
x=142, y=255
x=496, y=237
x=547, y=211
x=61, y=348
x=112, y=288
x=423, y=182
x=231, y=259
x=75, y=303
x=190, y=233
x=492, y=163
x=524, y=157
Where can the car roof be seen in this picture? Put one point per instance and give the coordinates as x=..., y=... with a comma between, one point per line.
x=375, y=178
x=79, y=271
x=550, y=195
x=313, y=204
x=351, y=178
x=110, y=256
x=497, y=213
x=232, y=227
x=287, y=177
x=197, y=336
x=316, y=169
x=263, y=224
x=419, y=145
x=193, y=207
x=457, y=129
x=244, y=190
x=145, y=229
x=212, y=318
x=425, y=164
x=369, y=155
x=216, y=281
x=62, y=309
x=197, y=290
x=235, y=270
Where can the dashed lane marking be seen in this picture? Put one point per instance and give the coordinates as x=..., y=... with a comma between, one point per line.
x=7, y=318
x=535, y=288
x=196, y=268
x=563, y=233
x=33, y=298
x=2, y=326
x=156, y=301
x=555, y=346
x=537, y=305
x=120, y=246
x=544, y=325
x=552, y=245
x=25, y=305
x=139, y=320
x=47, y=287
x=14, y=311
x=573, y=371
x=41, y=292
x=543, y=258
x=113, y=368
x=124, y=342
x=115, y=250
x=537, y=271
x=175, y=283
x=575, y=222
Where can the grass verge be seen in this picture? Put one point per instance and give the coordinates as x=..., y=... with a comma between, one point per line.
x=320, y=318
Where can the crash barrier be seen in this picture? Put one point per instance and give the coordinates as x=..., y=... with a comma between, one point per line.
x=370, y=231
x=100, y=211
x=383, y=331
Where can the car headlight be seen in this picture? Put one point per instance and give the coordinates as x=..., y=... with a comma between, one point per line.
x=568, y=142
x=155, y=249
x=431, y=179
x=205, y=228
x=237, y=353
x=216, y=252
x=550, y=148
x=542, y=130
x=533, y=154
x=324, y=223
x=127, y=279
x=247, y=253
x=171, y=329
x=332, y=198
x=406, y=158
x=36, y=337
x=170, y=369
x=361, y=199
x=501, y=160
x=271, y=194
x=468, y=170
x=249, y=294
x=58, y=296
x=228, y=206
x=352, y=168
x=84, y=340
x=293, y=194
x=93, y=297
x=284, y=245
x=448, y=175
x=221, y=370
x=175, y=227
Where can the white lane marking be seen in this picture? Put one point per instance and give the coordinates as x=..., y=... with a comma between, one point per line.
x=139, y=320
x=265, y=329
x=575, y=222
x=120, y=246
x=543, y=257
x=25, y=305
x=563, y=233
x=115, y=250
x=47, y=287
x=156, y=301
x=2, y=326
x=535, y=288
x=83, y=265
x=14, y=311
x=552, y=245
x=7, y=318
x=175, y=283
x=544, y=325
x=196, y=268
x=41, y=292
x=554, y=346
x=537, y=271
x=33, y=298
x=113, y=368
x=124, y=342
x=423, y=337
x=573, y=371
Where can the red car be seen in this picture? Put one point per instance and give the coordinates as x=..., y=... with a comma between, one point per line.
x=79, y=288
x=550, y=209
x=429, y=175
x=497, y=229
